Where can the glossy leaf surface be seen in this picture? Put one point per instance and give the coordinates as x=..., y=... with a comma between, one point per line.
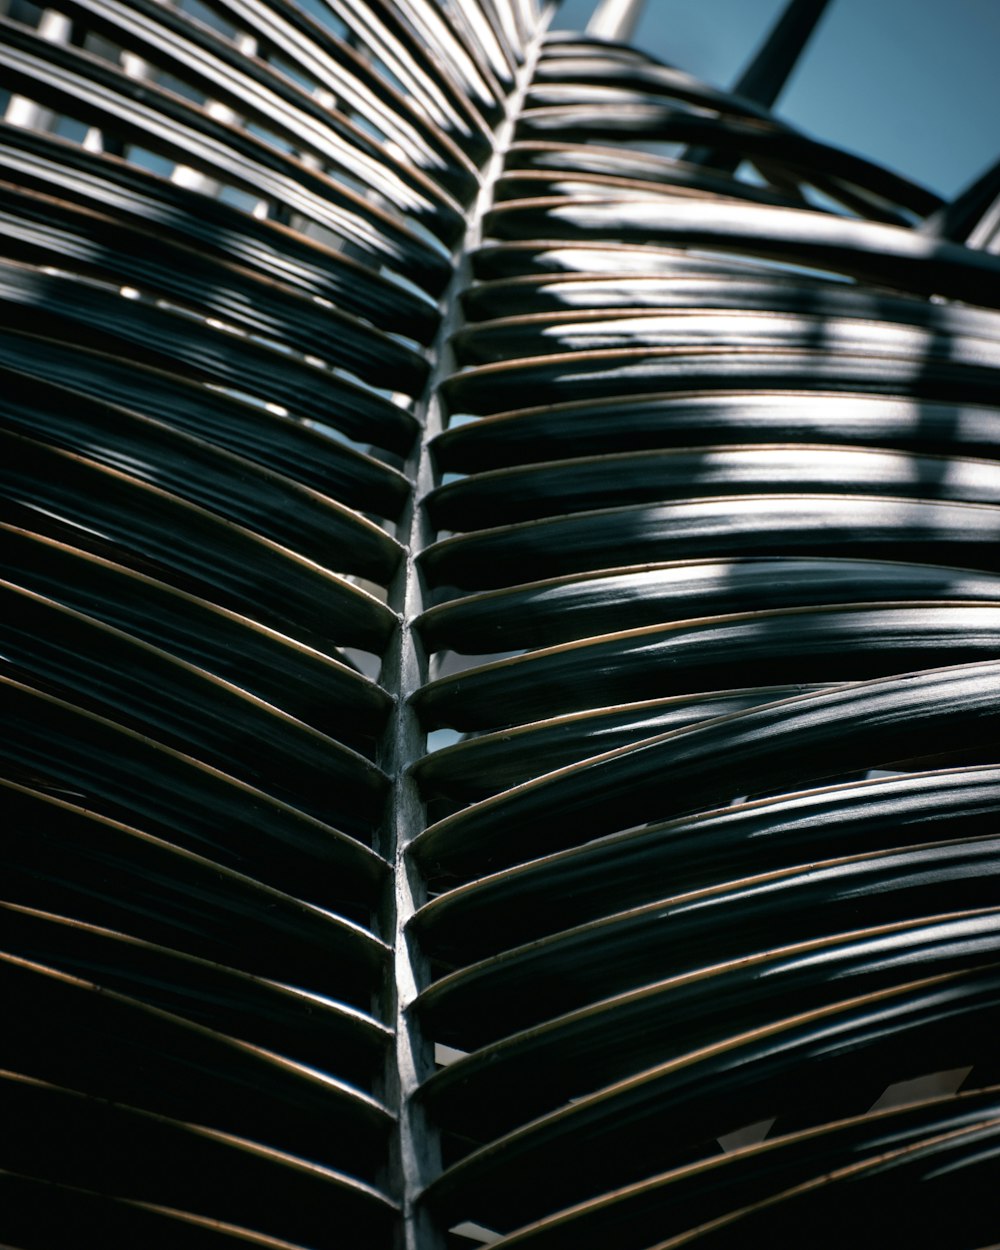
x=499, y=580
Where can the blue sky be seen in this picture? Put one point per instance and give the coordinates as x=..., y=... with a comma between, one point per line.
x=912, y=84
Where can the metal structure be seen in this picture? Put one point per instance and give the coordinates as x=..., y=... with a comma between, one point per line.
x=501, y=633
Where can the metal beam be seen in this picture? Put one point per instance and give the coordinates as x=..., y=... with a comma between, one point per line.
x=616, y=19
x=767, y=73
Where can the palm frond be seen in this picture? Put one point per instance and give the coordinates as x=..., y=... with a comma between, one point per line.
x=501, y=642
